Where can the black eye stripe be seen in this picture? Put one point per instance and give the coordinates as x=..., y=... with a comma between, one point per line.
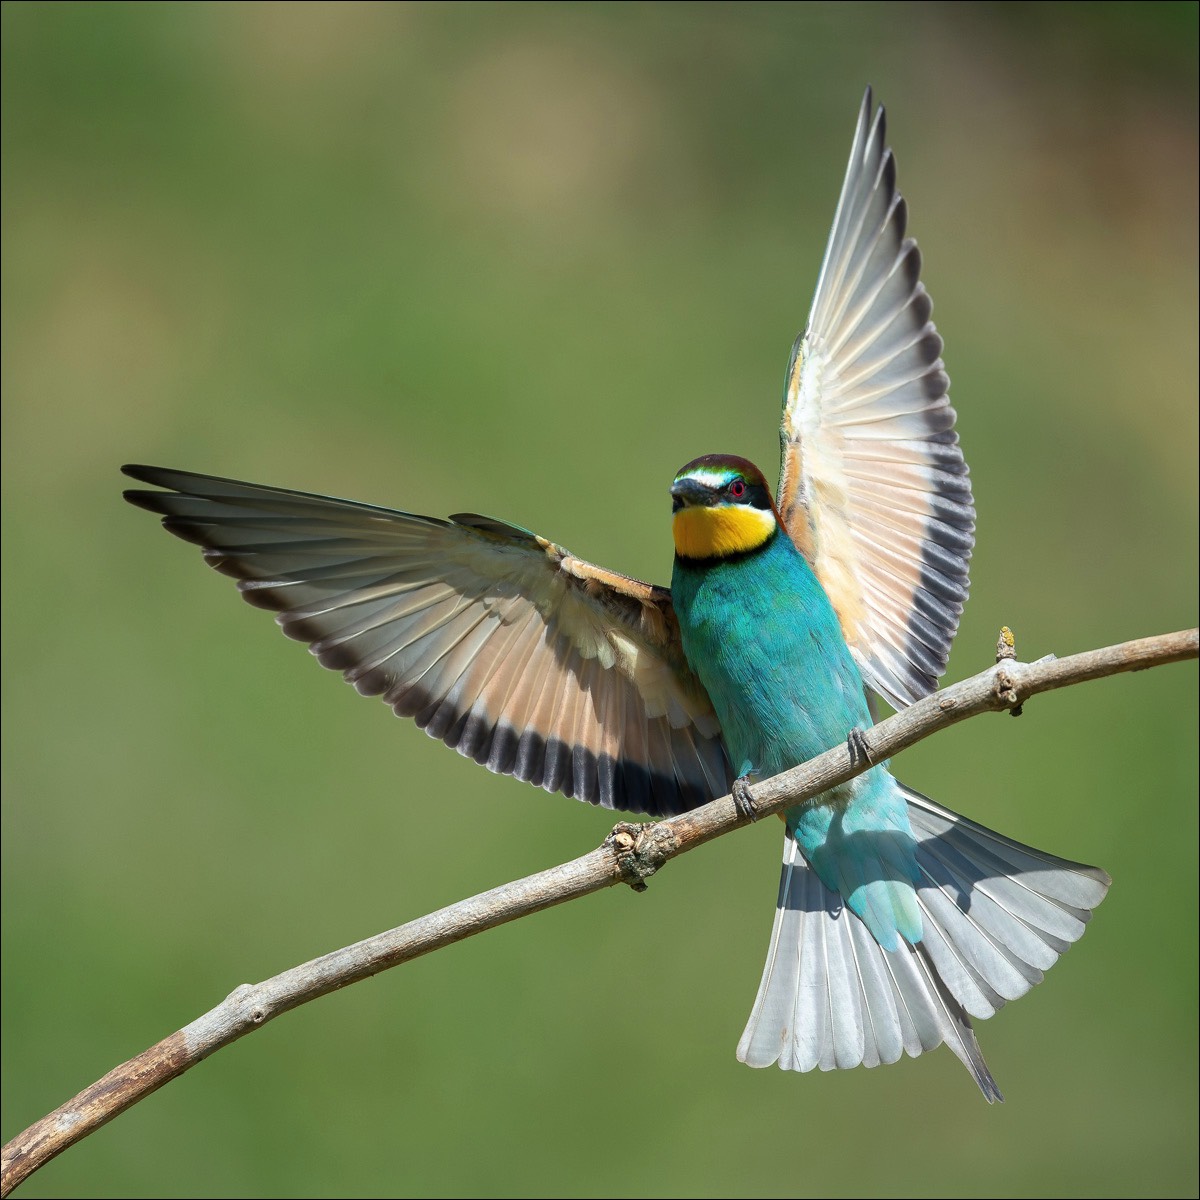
x=731, y=489
x=741, y=491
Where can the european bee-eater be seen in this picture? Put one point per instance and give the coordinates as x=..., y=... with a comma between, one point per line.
x=897, y=920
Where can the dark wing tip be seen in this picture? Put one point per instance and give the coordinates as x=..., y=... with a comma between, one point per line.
x=144, y=474
x=160, y=477
x=148, y=500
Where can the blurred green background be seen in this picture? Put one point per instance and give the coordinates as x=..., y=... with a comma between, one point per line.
x=526, y=260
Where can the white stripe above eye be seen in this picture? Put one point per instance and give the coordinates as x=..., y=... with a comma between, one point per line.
x=709, y=479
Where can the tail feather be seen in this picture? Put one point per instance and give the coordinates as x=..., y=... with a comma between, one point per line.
x=996, y=910
x=956, y=1028
x=811, y=1002
x=995, y=914
x=891, y=1027
x=847, y=1028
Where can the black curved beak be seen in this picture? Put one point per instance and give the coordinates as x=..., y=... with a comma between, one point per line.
x=688, y=493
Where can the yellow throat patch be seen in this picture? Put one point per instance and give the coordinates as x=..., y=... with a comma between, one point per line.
x=724, y=529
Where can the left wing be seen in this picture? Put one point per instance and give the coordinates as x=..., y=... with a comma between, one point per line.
x=873, y=488
x=519, y=655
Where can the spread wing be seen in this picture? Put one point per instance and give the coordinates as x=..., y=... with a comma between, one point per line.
x=873, y=487
x=519, y=655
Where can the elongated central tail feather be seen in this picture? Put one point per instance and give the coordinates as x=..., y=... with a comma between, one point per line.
x=996, y=915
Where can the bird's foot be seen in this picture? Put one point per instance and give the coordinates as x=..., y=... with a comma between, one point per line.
x=742, y=799
x=860, y=751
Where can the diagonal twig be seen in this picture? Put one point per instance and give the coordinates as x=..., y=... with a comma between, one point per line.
x=629, y=854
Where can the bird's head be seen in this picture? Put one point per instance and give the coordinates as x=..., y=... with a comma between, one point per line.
x=721, y=507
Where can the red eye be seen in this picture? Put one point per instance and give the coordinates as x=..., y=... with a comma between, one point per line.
x=737, y=489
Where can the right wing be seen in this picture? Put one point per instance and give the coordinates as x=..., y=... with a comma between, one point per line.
x=530, y=661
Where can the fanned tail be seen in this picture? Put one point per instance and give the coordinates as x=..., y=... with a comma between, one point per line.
x=996, y=915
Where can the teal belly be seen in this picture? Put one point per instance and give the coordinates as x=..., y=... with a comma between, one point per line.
x=764, y=640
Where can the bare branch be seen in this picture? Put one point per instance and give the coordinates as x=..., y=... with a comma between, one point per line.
x=630, y=854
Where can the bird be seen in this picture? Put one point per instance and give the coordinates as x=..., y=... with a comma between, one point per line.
x=898, y=921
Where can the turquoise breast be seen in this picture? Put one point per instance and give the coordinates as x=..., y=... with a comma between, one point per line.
x=759, y=631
